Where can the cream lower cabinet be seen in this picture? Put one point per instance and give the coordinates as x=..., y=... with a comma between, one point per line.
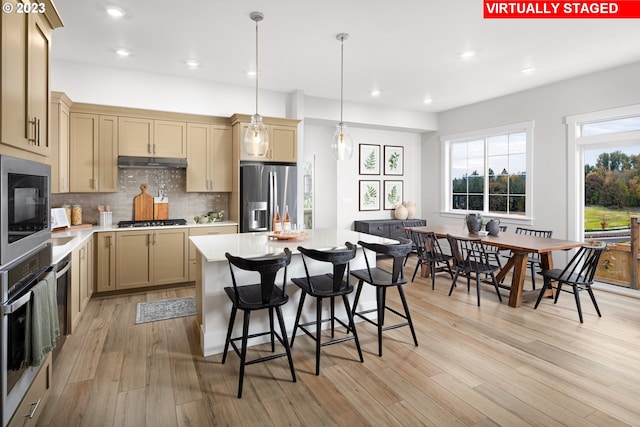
x=81, y=280
x=209, y=158
x=105, y=248
x=151, y=257
x=205, y=231
x=34, y=401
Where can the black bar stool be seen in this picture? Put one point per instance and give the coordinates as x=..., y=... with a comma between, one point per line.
x=327, y=286
x=264, y=295
x=383, y=279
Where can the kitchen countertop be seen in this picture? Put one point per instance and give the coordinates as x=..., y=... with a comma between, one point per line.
x=73, y=238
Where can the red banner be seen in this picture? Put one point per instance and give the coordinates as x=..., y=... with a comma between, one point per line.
x=623, y=9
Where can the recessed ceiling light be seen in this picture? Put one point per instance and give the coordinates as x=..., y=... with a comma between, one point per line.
x=123, y=52
x=115, y=12
x=251, y=73
x=375, y=93
x=192, y=63
x=467, y=54
x=428, y=100
x=528, y=70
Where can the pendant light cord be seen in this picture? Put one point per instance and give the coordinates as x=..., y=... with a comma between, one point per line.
x=257, y=67
x=341, y=76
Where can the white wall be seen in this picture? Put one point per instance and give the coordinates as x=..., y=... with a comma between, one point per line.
x=547, y=106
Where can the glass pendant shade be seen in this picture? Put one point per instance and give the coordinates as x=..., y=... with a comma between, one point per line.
x=256, y=138
x=342, y=144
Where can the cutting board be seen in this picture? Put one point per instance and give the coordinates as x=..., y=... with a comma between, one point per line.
x=143, y=205
x=160, y=208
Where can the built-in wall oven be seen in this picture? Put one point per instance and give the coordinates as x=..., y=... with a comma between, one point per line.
x=17, y=280
x=25, y=211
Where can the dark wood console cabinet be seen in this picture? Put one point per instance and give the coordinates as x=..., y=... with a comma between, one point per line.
x=389, y=228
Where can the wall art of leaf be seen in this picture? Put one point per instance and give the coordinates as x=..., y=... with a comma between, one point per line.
x=393, y=196
x=370, y=196
x=370, y=163
x=393, y=161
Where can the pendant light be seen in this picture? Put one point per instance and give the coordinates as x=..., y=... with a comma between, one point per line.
x=256, y=138
x=342, y=144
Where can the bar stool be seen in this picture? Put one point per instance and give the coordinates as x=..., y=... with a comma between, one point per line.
x=327, y=286
x=383, y=279
x=264, y=295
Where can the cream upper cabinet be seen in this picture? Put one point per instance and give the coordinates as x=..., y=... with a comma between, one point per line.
x=93, y=146
x=59, y=142
x=209, y=158
x=283, y=139
x=135, y=136
x=152, y=138
x=26, y=45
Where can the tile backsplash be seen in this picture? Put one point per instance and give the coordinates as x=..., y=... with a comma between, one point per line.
x=172, y=181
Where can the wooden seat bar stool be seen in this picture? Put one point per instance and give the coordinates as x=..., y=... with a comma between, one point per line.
x=382, y=279
x=260, y=296
x=327, y=285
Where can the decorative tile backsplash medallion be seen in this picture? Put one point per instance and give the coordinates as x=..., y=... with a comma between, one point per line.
x=172, y=181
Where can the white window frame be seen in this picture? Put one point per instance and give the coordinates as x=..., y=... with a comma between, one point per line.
x=446, y=141
x=576, y=146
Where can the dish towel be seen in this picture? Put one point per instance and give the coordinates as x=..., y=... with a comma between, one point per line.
x=44, y=328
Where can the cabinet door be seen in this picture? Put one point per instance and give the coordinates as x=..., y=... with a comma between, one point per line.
x=74, y=290
x=133, y=259
x=34, y=401
x=169, y=139
x=107, y=160
x=222, y=159
x=105, y=262
x=39, y=48
x=83, y=152
x=135, y=136
x=59, y=147
x=284, y=143
x=170, y=251
x=198, y=140
x=86, y=273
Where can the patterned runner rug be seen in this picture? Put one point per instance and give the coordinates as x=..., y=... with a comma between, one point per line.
x=165, y=309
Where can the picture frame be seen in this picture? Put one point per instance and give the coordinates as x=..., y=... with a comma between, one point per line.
x=393, y=160
x=369, y=160
x=369, y=195
x=392, y=194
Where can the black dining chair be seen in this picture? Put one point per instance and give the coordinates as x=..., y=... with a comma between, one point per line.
x=264, y=295
x=534, y=261
x=578, y=274
x=409, y=223
x=326, y=285
x=469, y=258
x=429, y=251
x=383, y=279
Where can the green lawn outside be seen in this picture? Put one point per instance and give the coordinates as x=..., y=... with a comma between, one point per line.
x=614, y=218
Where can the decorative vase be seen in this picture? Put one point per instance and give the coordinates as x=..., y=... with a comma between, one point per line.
x=400, y=212
x=411, y=209
x=474, y=223
x=493, y=227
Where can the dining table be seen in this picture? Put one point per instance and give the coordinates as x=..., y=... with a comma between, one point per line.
x=520, y=246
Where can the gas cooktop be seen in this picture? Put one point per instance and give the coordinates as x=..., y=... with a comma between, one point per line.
x=151, y=223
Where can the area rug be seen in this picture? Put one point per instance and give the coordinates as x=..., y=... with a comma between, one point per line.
x=165, y=309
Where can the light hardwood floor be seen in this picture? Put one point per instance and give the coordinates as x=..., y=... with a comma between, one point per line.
x=474, y=366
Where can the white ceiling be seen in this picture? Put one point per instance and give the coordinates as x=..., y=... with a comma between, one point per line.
x=407, y=49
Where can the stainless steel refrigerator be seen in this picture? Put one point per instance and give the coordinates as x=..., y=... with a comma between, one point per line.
x=263, y=186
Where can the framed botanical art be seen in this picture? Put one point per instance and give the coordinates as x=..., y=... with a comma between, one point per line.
x=369, y=195
x=393, y=160
x=369, y=159
x=392, y=194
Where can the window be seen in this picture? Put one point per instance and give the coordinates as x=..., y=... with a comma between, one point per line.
x=487, y=171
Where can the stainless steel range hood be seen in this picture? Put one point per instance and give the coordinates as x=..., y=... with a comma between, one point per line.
x=152, y=162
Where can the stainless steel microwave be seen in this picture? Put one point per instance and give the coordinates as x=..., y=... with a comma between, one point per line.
x=25, y=207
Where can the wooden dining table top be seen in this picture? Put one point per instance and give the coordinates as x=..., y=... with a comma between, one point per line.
x=505, y=239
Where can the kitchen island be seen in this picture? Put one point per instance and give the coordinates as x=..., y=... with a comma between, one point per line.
x=213, y=306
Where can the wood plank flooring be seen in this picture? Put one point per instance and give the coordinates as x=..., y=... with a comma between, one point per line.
x=474, y=366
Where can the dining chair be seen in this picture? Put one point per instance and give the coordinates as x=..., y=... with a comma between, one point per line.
x=326, y=285
x=578, y=274
x=470, y=257
x=494, y=250
x=534, y=261
x=429, y=251
x=264, y=295
x=409, y=223
x=383, y=279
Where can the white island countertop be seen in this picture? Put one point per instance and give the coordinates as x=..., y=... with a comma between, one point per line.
x=248, y=245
